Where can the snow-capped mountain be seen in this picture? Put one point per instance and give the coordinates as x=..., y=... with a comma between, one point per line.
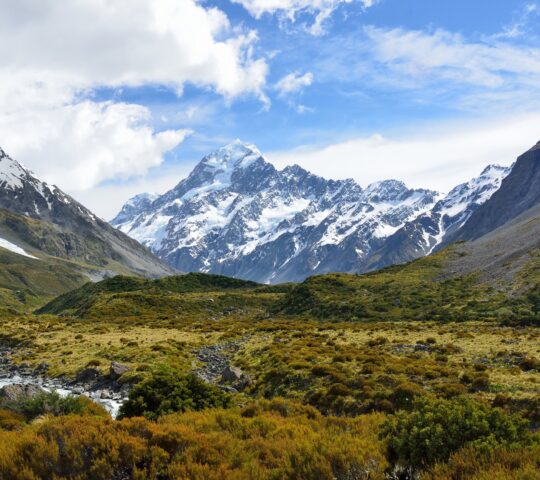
x=236, y=215
x=432, y=229
x=41, y=218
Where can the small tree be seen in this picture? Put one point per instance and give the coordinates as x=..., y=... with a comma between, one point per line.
x=169, y=392
x=436, y=429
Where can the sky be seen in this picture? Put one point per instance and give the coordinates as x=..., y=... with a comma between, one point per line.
x=107, y=99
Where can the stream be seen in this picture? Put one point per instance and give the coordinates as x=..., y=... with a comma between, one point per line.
x=102, y=394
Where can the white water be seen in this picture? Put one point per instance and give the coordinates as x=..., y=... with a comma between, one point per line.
x=112, y=406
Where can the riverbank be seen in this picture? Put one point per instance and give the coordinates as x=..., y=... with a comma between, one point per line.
x=107, y=393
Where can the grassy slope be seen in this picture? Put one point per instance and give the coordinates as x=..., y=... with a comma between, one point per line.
x=340, y=342
x=419, y=290
x=25, y=283
x=128, y=296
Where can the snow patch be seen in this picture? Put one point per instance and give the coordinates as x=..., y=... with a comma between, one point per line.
x=14, y=248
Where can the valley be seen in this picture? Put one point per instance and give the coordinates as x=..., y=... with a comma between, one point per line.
x=355, y=351
x=269, y=240
x=198, y=358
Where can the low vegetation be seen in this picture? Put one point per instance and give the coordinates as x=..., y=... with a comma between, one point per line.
x=168, y=392
x=399, y=374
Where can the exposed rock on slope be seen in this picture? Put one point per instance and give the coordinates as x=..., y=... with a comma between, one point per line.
x=519, y=192
x=236, y=215
x=43, y=221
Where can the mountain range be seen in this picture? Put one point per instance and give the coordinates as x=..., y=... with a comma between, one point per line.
x=50, y=242
x=237, y=215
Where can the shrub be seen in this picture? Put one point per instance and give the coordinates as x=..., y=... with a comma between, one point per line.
x=481, y=383
x=51, y=403
x=501, y=464
x=436, y=429
x=529, y=363
x=405, y=395
x=10, y=420
x=271, y=440
x=169, y=392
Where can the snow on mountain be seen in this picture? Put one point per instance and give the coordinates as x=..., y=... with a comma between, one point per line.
x=458, y=206
x=73, y=231
x=431, y=230
x=134, y=206
x=236, y=215
x=21, y=192
x=14, y=248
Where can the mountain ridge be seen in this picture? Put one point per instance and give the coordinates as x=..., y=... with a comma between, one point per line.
x=50, y=227
x=519, y=192
x=236, y=214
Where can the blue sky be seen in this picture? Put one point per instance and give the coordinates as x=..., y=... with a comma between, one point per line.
x=422, y=90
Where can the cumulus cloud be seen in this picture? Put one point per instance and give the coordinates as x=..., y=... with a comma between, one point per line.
x=78, y=146
x=431, y=159
x=321, y=10
x=293, y=83
x=56, y=54
x=88, y=43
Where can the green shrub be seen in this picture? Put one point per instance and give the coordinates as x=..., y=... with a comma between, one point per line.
x=169, y=392
x=436, y=429
x=51, y=403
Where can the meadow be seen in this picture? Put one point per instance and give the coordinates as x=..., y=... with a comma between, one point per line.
x=403, y=373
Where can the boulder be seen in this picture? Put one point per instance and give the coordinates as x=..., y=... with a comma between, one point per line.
x=88, y=375
x=237, y=377
x=42, y=368
x=231, y=374
x=116, y=370
x=13, y=393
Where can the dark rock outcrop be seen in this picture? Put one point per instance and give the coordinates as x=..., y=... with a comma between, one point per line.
x=88, y=375
x=116, y=370
x=519, y=192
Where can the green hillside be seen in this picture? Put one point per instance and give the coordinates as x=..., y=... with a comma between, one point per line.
x=421, y=290
x=25, y=283
x=424, y=346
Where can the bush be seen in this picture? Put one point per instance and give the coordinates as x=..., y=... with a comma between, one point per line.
x=405, y=394
x=501, y=464
x=53, y=404
x=529, y=363
x=169, y=392
x=10, y=420
x=264, y=441
x=436, y=429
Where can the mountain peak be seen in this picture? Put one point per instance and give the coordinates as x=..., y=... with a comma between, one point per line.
x=235, y=155
x=493, y=169
x=12, y=173
x=143, y=197
x=385, y=190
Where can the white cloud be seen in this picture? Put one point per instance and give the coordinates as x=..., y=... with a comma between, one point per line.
x=289, y=9
x=441, y=55
x=293, y=83
x=88, y=43
x=78, y=146
x=56, y=54
x=520, y=24
x=438, y=159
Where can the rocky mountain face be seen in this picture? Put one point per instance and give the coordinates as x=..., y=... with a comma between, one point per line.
x=236, y=215
x=431, y=230
x=40, y=219
x=519, y=192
